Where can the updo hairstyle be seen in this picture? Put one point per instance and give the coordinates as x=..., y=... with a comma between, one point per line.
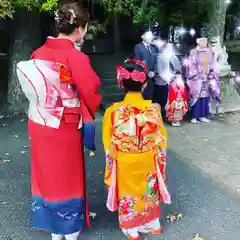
x=71, y=16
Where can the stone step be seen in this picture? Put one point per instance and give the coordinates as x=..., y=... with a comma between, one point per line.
x=109, y=99
x=112, y=88
x=107, y=74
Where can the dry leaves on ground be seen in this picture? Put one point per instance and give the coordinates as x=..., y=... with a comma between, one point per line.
x=4, y=161
x=92, y=215
x=173, y=218
x=197, y=237
x=92, y=154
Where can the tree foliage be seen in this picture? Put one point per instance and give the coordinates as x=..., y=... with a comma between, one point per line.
x=163, y=11
x=8, y=7
x=234, y=9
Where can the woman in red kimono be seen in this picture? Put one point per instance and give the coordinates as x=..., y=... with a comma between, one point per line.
x=63, y=92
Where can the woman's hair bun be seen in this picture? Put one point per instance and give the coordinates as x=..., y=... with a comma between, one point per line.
x=71, y=16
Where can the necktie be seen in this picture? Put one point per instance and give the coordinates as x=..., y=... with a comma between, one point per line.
x=149, y=49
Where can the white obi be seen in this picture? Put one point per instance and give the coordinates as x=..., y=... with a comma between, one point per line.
x=48, y=96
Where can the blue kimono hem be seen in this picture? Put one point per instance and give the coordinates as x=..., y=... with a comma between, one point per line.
x=62, y=217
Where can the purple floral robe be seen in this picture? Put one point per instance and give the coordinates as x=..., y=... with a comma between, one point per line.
x=202, y=77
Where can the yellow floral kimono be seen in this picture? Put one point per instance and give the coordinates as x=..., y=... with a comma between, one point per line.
x=134, y=139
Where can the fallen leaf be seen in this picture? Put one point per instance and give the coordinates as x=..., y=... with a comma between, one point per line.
x=197, y=237
x=4, y=161
x=180, y=216
x=171, y=218
x=92, y=215
x=91, y=154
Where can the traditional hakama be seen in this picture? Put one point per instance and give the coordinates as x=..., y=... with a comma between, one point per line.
x=203, y=81
x=59, y=200
x=134, y=140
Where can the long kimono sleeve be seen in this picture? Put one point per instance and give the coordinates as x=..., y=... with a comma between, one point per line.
x=87, y=82
x=106, y=139
x=214, y=80
x=192, y=66
x=110, y=178
x=162, y=148
x=160, y=161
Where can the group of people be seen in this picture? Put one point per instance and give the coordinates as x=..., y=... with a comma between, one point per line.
x=62, y=89
x=180, y=85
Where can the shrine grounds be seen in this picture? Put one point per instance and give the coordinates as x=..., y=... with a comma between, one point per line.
x=203, y=177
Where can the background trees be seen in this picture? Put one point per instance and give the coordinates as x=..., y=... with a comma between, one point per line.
x=26, y=30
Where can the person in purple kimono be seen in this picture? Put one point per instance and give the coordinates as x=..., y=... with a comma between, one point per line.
x=202, y=80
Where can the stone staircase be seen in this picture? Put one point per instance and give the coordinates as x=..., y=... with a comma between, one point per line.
x=105, y=66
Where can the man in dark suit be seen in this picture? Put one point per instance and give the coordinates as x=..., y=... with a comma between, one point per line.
x=147, y=53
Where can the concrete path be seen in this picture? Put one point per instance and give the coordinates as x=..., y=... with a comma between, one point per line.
x=203, y=161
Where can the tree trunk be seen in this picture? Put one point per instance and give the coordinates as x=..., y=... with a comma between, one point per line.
x=217, y=18
x=26, y=36
x=117, y=40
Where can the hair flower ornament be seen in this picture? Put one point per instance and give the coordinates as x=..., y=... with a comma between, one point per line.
x=57, y=17
x=73, y=16
x=123, y=74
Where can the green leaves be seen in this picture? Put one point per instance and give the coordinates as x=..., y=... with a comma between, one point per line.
x=7, y=7
x=29, y=4
x=50, y=5
x=117, y=7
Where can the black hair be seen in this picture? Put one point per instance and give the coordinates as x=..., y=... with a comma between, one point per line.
x=129, y=84
x=71, y=16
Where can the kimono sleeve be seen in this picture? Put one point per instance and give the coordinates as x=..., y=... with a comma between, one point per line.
x=215, y=68
x=106, y=139
x=162, y=148
x=107, y=128
x=87, y=82
x=192, y=67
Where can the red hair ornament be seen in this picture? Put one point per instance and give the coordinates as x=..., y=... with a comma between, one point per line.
x=135, y=75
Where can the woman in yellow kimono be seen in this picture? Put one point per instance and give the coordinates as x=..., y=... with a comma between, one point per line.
x=134, y=140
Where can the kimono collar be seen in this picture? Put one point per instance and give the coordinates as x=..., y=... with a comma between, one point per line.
x=201, y=49
x=136, y=99
x=133, y=97
x=59, y=43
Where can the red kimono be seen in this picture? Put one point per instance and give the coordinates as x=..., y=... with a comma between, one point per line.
x=177, y=104
x=57, y=161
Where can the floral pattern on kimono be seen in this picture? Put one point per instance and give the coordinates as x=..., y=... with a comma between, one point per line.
x=137, y=131
x=202, y=76
x=177, y=104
